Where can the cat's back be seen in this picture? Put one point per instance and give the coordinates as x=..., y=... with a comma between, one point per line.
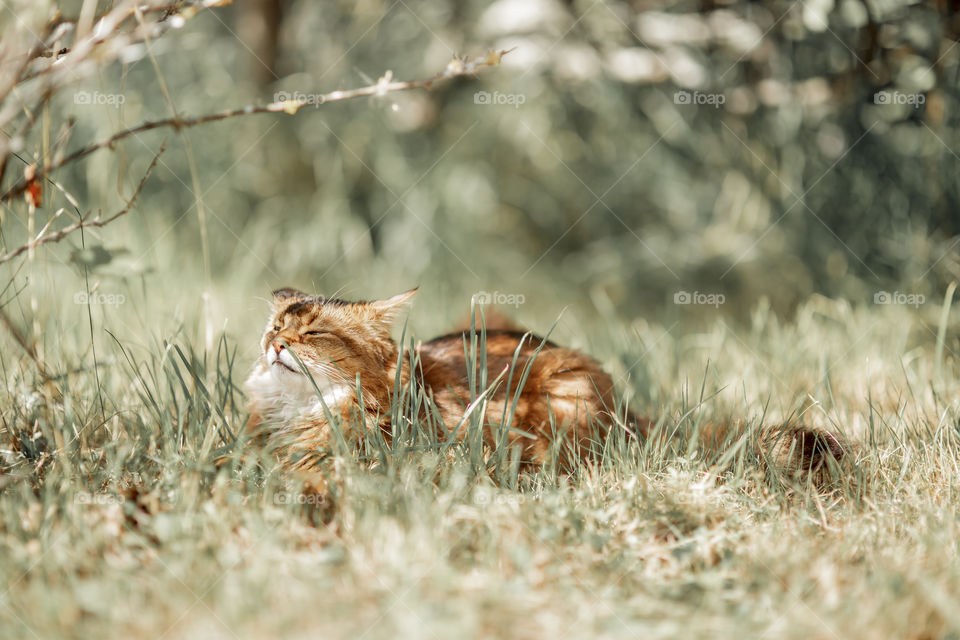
x=554, y=370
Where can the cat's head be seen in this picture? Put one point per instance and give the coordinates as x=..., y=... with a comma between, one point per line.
x=334, y=339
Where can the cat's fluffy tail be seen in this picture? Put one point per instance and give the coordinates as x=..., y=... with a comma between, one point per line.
x=792, y=449
x=798, y=448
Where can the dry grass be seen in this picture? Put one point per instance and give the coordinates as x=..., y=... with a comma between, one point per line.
x=126, y=527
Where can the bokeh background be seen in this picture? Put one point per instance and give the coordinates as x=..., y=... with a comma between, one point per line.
x=756, y=154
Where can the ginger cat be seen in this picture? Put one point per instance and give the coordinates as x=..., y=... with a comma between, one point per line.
x=566, y=401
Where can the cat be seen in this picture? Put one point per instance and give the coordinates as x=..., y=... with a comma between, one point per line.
x=315, y=350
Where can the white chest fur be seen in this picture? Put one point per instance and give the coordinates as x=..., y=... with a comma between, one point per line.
x=281, y=396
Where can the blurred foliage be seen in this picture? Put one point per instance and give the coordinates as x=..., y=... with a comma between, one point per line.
x=586, y=180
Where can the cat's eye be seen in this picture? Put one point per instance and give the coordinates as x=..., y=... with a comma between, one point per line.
x=316, y=333
x=276, y=327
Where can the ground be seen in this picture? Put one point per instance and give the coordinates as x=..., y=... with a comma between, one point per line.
x=148, y=523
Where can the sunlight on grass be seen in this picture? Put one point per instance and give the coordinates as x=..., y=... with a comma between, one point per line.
x=154, y=519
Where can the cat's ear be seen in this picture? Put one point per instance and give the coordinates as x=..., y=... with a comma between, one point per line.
x=287, y=294
x=388, y=310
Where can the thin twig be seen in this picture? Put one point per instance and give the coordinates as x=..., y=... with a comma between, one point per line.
x=168, y=10
x=29, y=349
x=106, y=41
x=456, y=68
x=99, y=221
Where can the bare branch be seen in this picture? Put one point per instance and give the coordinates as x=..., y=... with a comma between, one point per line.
x=45, y=238
x=454, y=69
x=52, y=60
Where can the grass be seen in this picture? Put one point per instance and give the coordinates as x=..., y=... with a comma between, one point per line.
x=116, y=521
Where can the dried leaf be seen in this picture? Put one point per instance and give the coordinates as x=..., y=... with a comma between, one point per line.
x=34, y=192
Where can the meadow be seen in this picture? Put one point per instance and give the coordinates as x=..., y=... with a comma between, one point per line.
x=135, y=525
x=709, y=198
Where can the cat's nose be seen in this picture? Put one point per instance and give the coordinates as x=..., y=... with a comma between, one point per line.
x=277, y=346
